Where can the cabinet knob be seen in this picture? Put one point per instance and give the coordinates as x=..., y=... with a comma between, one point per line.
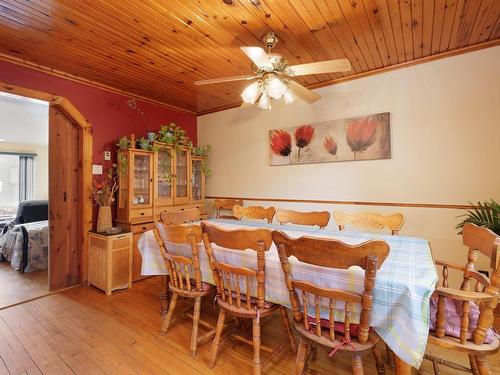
x=142, y=213
x=144, y=228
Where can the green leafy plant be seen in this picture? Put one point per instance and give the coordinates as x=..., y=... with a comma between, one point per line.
x=173, y=135
x=486, y=214
x=123, y=143
x=144, y=143
x=201, y=150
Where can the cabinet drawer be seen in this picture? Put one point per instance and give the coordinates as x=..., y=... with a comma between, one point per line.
x=121, y=243
x=141, y=214
x=141, y=228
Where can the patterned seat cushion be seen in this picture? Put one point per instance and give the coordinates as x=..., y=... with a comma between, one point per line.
x=453, y=312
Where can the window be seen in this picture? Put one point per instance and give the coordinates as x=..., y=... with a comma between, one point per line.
x=16, y=181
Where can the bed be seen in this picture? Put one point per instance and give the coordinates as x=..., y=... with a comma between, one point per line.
x=24, y=242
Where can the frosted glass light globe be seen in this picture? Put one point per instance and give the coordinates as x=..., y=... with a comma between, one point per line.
x=276, y=88
x=251, y=93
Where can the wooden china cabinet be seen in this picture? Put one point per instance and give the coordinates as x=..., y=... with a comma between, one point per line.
x=168, y=179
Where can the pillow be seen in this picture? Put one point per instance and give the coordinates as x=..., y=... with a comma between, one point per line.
x=453, y=312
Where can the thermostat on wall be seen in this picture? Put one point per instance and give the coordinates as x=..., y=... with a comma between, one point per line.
x=96, y=169
x=107, y=155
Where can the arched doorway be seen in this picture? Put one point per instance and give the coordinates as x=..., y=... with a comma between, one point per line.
x=70, y=202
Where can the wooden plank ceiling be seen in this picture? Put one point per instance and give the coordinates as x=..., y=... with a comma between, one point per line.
x=156, y=49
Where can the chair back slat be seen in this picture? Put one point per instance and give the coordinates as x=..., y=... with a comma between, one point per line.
x=347, y=322
x=331, y=318
x=317, y=315
x=254, y=212
x=180, y=217
x=333, y=254
x=320, y=219
x=228, y=277
x=183, y=271
x=369, y=220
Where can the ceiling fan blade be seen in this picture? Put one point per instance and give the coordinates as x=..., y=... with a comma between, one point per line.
x=303, y=93
x=225, y=79
x=258, y=56
x=328, y=66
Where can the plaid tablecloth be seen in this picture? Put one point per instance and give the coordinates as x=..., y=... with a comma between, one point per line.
x=401, y=295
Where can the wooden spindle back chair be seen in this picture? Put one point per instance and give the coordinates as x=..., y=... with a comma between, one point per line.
x=254, y=212
x=180, y=217
x=369, y=256
x=226, y=205
x=485, y=296
x=185, y=275
x=312, y=218
x=369, y=220
x=233, y=283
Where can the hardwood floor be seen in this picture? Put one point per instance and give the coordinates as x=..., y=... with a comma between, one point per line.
x=17, y=287
x=81, y=331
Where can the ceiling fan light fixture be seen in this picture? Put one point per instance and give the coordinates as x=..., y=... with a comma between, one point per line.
x=265, y=101
x=288, y=97
x=276, y=87
x=251, y=93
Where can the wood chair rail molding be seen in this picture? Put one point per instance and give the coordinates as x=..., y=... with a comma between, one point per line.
x=353, y=203
x=319, y=218
x=85, y=132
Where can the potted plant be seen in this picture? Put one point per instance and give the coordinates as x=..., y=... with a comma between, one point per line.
x=143, y=143
x=486, y=214
x=172, y=134
x=123, y=143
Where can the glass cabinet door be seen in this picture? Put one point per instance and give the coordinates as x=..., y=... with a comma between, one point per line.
x=141, y=179
x=196, y=180
x=164, y=177
x=181, y=176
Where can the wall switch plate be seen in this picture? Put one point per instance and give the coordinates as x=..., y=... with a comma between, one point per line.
x=96, y=169
x=107, y=155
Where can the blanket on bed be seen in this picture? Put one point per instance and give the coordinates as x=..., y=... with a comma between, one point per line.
x=26, y=246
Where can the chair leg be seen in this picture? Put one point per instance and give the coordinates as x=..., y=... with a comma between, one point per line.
x=196, y=321
x=435, y=366
x=286, y=323
x=378, y=360
x=168, y=318
x=390, y=356
x=215, y=344
x=357, y=365
x=256, y=346
x=482, y=365
x=300, y=361
x=473, y=365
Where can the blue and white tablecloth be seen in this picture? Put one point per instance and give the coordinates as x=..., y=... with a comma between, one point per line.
x=401, y=295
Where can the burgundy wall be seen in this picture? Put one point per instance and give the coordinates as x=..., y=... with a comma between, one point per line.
x=109, y=113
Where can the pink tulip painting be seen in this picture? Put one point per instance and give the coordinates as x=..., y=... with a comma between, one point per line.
x=358, y=138
x=330, y=145
x=361, y=134
x=303, y=136
x=281, y=143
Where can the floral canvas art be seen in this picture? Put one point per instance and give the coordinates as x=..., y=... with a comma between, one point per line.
x=357, y=138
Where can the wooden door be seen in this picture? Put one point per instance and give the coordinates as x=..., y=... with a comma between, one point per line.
x=65, y=201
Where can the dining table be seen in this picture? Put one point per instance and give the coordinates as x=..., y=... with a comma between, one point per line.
x=403, y=286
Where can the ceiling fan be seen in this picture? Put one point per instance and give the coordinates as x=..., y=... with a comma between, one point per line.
x=273, y=77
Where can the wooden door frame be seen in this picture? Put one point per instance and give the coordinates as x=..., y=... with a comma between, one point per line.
x=85, y=149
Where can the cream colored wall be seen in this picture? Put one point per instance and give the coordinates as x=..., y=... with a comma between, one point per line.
x=41, y=183
x=445, y=135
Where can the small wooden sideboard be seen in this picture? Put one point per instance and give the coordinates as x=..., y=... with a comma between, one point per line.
x=110, y=261
x=168, y=179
